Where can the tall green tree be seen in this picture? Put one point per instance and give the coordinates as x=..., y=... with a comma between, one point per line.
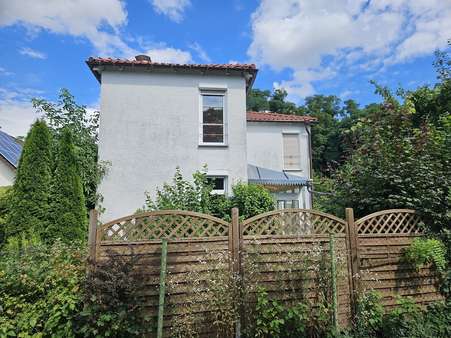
x=278, y=103
x=29, y=201
x=326, y=136
x=66, y=113
x=257, y=100
x=67, y=201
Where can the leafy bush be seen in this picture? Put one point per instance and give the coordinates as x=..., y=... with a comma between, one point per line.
x=4, y=206
x=40, y=292
x=251, y=199
x=112, y=307
x=196, y=195
x=369, y=316
x=426, y=251
x=406, y=320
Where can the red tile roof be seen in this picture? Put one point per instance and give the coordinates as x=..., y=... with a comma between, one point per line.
x=254, y=116
x=94, y=62
x=122, y=62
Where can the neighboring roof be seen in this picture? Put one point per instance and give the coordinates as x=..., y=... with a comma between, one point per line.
x=253, y=116
x=10, y=148
x=265, y=176
x=120, y=64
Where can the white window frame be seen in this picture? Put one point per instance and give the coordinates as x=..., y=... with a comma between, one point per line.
x=283, y=151
x=220, y=191
x=215, y=92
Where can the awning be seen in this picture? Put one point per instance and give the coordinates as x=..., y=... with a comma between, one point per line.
x=259, y=175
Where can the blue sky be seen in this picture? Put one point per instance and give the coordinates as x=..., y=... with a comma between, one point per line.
x=305, y=46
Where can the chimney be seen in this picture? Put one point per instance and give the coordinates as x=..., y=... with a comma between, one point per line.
x=143, y=58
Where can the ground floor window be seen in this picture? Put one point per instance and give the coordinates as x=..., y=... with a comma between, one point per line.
x=285, y=204
x=219, y=184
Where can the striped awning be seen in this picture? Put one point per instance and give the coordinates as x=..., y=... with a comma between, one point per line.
x=259, y=175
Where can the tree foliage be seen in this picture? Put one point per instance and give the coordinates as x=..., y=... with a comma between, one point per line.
x=67, y=201
x=28, y=214
x=66, y=113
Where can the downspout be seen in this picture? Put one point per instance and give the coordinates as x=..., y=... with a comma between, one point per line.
x=307, y=128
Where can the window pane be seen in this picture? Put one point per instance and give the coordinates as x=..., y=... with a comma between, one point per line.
x=218, y=182
x=213, y=115
x=213, y=101
x=212, y=133
x=295, y=203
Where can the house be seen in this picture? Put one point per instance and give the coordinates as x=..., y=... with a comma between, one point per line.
x=10, y=150
x=156, y=116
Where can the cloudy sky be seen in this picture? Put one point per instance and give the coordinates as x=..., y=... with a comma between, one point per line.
x=306, y=46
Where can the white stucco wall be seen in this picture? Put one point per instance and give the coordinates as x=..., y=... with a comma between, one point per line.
x=265, y=149
x=7, y=173
x=149, y=124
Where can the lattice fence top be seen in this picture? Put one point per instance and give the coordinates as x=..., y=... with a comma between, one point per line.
x=395, y=221
x=293, y=222
x=170, y=224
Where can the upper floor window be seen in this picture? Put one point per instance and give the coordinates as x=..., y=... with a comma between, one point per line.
x=213, y=127
x=291, y=152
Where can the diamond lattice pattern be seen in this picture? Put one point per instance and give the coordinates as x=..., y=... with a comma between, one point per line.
x=293, y=223
x=171, y=226
x=391, y=223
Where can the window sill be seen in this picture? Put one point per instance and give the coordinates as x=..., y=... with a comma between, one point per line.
x=214, y=145
x=293, y=169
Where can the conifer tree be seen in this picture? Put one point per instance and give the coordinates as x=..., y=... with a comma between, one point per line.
x=67, y=201
x=29, y=209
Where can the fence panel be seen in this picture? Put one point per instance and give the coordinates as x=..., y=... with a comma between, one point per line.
x=198, y=244
x=382, y=237
x=288, y=251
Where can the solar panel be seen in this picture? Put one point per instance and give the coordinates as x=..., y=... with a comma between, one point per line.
x=10, y=148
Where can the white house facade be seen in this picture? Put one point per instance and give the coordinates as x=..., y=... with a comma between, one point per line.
x=157, y=116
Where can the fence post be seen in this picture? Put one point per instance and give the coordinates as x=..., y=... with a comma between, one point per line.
x=92, y=235
x=235, y=241
x=164, y=254
x=333, y=272
x=352, y=243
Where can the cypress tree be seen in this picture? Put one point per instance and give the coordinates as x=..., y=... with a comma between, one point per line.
x=67, y=201
x=29, y=209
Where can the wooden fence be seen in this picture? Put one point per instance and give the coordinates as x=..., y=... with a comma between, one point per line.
x=270, y=250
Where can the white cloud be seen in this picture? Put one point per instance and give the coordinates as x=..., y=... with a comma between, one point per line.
x=202, y=54
x=98, y=21
x=32, y=53
x=168, y=54
x=316, y=39
x=16, y=110
x=5, y=72
x=172, y=8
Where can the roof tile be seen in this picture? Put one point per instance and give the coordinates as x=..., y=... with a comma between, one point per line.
x=253, y=116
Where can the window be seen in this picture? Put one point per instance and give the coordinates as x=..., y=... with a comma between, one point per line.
x=285, y=204
x=291, y=152
x=212, y=119
x=219, y=184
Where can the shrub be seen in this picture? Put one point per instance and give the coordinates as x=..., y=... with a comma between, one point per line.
x=29, y=211
x=426, y=251
x=251, y=199
x=40, y=292
x=196, y=195
x=4, y=206
x=112, y=307
x=369, y=316
x=67, y=202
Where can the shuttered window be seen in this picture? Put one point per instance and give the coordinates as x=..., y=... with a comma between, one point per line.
x=291, y=152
